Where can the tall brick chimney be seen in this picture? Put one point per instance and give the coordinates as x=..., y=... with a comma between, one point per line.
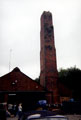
x=49, y=74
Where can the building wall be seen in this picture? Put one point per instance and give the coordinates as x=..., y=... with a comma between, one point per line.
x=62, y=99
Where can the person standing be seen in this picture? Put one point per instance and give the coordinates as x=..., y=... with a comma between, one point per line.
x=19, y=111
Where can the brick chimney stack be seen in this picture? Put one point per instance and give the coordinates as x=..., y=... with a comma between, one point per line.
x=49, y=74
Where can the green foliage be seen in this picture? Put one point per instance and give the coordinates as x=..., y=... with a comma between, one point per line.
x=71, y=78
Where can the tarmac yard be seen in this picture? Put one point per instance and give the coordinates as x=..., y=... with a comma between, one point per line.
x=74, y=117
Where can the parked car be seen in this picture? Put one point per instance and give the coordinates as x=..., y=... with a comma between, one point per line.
x=43, y=115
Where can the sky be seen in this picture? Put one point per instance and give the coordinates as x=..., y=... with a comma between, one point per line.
x=20, y=34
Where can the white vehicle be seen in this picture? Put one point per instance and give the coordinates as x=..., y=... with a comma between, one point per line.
x=45, y=115
x=38, y=117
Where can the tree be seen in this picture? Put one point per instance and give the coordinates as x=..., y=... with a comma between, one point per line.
x=71, y=78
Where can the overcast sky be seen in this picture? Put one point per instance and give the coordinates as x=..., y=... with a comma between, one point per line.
x=20, y=34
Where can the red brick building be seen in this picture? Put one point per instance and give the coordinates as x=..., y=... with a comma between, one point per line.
x=16, y=87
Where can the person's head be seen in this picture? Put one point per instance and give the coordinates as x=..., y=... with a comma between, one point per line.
x=20, y=104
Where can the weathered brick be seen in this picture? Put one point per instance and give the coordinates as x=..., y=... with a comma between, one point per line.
x=49, y=74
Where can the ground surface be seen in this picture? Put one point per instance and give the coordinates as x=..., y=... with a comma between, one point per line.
x=14, y=118
x=74, y=117
x=71, y=117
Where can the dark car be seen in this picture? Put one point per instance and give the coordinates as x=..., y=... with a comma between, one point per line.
x=43, y=115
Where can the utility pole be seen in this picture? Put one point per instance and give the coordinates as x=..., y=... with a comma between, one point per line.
x=10, y=60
